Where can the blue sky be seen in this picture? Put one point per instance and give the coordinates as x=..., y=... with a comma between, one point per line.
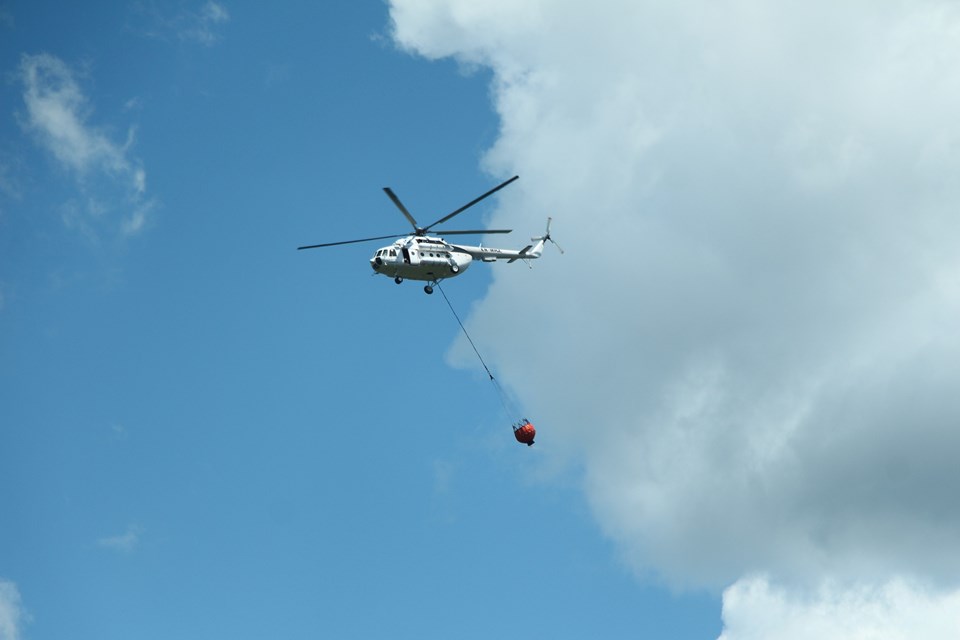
x=743, y=370
x=206, y=432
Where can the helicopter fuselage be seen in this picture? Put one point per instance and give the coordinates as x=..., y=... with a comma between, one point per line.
x=433, y=259
x=420, y=258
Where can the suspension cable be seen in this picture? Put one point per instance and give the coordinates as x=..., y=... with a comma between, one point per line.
x=504, y=399
x=465, y=332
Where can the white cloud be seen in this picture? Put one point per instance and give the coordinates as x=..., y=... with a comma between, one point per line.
x=57, y=114
x=126, y=542
x=198, y=24
x=896, y=610
x=119, y=431
x=214, y=12
x=12, y=614
x=751, y=341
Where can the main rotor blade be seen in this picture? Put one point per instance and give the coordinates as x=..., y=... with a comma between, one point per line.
x=333, y=244
x=472, y=231
x=402, y=208
x=471, y=203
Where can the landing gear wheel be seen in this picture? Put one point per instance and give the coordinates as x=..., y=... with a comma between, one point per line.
x=398, y=279
x=428, y=289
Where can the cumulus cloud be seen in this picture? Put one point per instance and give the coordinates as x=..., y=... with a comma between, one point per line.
x=57, y=115
x=753, y=609
x=751, y=341
x=11, y=611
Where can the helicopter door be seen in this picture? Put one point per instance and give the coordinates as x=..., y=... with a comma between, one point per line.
x=406, y=256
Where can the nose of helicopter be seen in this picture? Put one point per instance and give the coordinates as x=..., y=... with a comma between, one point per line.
x=376, y=263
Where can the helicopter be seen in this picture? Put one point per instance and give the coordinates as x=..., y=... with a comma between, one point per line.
x=430, y=258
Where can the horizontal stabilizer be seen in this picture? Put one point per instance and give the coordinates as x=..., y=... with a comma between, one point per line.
x=522, y=253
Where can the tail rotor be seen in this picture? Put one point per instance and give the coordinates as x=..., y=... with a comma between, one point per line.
x=547, y=238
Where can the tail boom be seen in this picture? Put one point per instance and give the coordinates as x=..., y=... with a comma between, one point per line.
x=529, y=252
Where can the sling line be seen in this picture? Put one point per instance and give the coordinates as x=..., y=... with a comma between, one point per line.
x=500, y=392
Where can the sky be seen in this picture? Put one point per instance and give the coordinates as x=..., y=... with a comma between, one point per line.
x=742, y=368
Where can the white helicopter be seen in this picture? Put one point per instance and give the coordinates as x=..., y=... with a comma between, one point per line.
x=423, y=257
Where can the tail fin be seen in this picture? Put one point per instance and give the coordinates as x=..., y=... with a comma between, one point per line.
x=533, y=251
